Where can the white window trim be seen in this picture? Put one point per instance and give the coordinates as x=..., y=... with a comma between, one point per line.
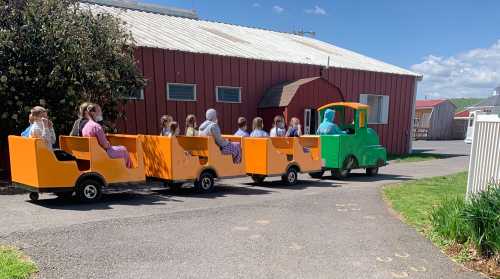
x=177, y=83
x=134, y=98
x=363, y=98
x=223, y=86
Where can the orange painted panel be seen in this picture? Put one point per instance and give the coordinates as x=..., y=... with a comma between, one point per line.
x=33, y=164
x=171, y=158
x=311, y=160
x=113, y=170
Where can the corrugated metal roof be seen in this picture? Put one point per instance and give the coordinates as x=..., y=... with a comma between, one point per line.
x=282, y=94
x=200, y=36
x=151, y=8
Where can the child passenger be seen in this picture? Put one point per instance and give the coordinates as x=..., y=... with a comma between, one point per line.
x=94, y=129
x=174, y=129
x=278, y=129
x=294, y=130
x=165, y=124
x=42, y=127
x=191, y=126
x=258, y=128
x=242, y=127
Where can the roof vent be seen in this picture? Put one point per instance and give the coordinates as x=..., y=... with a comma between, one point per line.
x=142, y=7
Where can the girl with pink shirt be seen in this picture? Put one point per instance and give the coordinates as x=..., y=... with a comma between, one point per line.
x=94, y=129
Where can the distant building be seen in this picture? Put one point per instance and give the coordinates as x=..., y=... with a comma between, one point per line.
x=489, y=105
x=433, y=119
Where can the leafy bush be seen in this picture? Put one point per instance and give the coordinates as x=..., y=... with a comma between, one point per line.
x=57, y=54
x=476, y=221
x=448, y=220
x=482, y=214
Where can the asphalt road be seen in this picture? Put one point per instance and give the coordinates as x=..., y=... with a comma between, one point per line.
x=317, y=229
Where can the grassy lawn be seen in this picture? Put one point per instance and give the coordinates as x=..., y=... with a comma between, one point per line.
x=419, y=202
x=414, y=157
x=14, y=265
x=414, y=199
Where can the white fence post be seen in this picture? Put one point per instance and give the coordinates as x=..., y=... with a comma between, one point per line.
x=484, y=164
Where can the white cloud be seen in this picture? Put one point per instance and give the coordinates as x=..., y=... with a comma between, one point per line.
x=278, y=9
x=256, y=5
x=474, y=73
x=316, y=11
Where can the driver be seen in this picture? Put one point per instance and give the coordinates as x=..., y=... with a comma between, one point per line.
x=328, y=127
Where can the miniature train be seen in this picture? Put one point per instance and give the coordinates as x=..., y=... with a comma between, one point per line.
x=180, y=159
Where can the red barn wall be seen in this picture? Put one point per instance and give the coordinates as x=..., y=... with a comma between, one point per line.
x=255, y=77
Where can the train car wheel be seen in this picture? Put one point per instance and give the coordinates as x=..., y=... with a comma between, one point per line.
x=34, y=196
x=341, y=173
x=317, y=175
x=258, y=178
x=89, y=190
x=372, y=171
x=291, y=176
x=205, y=182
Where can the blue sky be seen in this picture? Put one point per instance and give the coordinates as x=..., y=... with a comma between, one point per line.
x=455, y=44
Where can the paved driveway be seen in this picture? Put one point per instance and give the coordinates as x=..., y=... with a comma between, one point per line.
x=317, y=229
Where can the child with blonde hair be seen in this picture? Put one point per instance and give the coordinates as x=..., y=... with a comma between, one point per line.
x=258, y=128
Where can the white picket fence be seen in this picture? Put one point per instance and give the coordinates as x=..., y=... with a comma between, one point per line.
x=484, y=165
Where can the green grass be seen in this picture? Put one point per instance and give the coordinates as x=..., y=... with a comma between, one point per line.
x=465, y=229
x=462, y=103
x=14, y=265
x=414, y=157
x=414, y=200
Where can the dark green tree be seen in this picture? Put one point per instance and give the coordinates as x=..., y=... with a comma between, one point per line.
x=57, y=53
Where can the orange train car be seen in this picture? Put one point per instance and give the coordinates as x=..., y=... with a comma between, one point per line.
x=282, y=156
x=180, y=159
x=87, y=169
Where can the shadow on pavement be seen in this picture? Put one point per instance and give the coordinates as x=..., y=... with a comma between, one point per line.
x=220, y=190
x=106, y=202
x=361, y=177
x=301, y=184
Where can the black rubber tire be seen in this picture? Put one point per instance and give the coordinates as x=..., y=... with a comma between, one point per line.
x=291, y=176
x=205, y=183
x=258, y=179
x=34, y=196
x=372, y=171
x=89, y=190
x=341, y=173
x=64, y=195
x=317, y=175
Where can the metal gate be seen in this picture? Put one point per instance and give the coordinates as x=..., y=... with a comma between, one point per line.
x=484, y=165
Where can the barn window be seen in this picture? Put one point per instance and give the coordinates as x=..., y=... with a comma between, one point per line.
x=378, y=111
x=181, y=92
x=135, y=94
x=228, y=94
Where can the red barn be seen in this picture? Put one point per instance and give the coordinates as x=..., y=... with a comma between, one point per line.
x=194, y=64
